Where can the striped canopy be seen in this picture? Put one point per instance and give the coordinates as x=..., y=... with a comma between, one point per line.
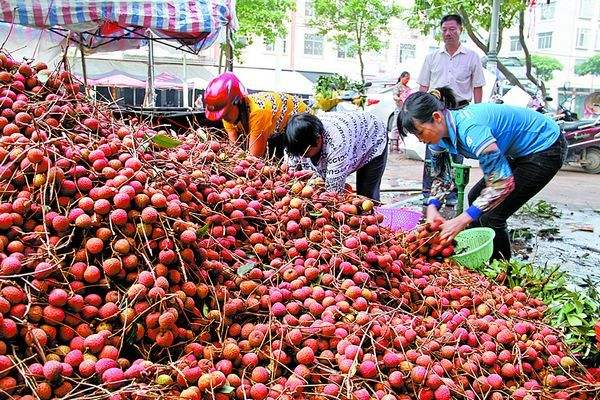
x=192, y=25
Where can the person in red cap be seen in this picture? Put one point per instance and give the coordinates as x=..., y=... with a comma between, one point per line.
x=259, y=118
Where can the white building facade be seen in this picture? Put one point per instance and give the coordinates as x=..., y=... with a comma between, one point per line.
x=304, y=50
x=568, y=30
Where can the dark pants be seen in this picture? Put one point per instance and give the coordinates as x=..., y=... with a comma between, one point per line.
x=457, y=158
x=368, y=177
x=531, y=174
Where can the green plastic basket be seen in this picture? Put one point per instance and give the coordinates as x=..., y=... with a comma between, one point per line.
x=474, y=247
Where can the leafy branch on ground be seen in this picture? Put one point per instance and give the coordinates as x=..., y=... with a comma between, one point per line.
x=540, y=209
x=574, y=310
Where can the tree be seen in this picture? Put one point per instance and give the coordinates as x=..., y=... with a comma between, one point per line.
x=356, y=25
x=266, y=19
x=425, y=15
x=591, y=66
x=545, y=66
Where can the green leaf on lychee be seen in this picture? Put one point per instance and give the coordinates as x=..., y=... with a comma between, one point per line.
x=165, y=141
x=227, y=389
x=203, y=230
x=244, y=269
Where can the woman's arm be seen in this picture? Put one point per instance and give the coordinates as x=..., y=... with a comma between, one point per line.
x=441, y=176
x=499, y=184
x=260, y=126
x=499, y=181
x=232, y=131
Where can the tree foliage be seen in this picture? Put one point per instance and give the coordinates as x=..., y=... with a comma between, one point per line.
x=545, y=66
x=425, y=16
x=359, y=26
x=266, y=19
x=591, y=66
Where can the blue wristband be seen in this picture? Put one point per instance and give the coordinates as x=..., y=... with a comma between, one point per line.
x=435, y=202
x=474, y=212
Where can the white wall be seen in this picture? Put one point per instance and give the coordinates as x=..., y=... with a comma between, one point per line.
x=385, y=63
x=568, y=18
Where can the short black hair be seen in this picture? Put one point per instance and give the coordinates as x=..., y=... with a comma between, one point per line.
x=301, y=133
x=451, y=17
x=420, y=106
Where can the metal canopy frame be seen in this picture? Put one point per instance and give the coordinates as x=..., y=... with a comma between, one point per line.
x=137, y=31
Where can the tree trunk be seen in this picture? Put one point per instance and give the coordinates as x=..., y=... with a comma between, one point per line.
x=359, y=51
x=538, y=83
x=362, y=65
x=485, y=47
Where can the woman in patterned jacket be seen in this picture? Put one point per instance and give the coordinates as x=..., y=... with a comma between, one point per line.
x=258, y=119
x=519, y=151
x=337, y=144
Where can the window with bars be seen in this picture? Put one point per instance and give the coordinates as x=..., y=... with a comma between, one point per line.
x=313, y=44
x=544, y=40
x=583, y=38
x=270, y=47
x=515, y=44
x=406, y=51
x=344, y=51
x=547, y=11
x=309, y=9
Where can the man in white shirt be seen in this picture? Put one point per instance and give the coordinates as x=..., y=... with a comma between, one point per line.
x=456, y=67
x=337, y=144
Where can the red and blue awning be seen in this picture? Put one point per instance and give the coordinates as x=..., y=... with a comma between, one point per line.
x=192, y=25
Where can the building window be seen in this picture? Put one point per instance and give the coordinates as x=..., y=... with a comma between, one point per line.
x=515, y=44
x=344, y=51
x=585, y=9
x=405, y=52
x=269, y=47
x=309, y=9
x=583, y=38
x=547, y=11
x=313, y=44
x=544, y=40
x=272, y=47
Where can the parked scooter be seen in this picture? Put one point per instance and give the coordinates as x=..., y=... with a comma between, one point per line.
x=583, y=139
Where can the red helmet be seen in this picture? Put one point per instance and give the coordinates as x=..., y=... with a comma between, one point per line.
x=221, y=94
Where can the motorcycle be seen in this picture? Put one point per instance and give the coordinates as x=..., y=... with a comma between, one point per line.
x=583, y=143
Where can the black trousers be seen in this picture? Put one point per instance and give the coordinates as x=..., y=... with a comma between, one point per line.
x=368, y=177
x=531, y=174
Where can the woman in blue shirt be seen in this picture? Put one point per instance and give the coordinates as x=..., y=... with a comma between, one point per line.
x=519, y=151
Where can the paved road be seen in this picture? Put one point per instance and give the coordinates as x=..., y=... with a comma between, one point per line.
x=571, y=187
